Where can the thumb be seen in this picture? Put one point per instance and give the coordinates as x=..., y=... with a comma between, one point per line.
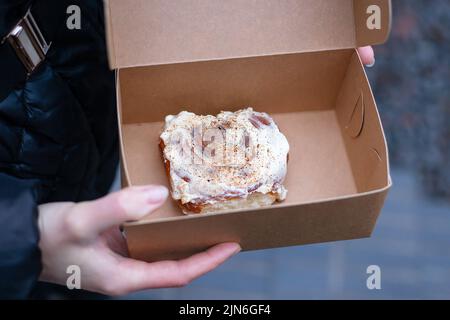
x=90, y=218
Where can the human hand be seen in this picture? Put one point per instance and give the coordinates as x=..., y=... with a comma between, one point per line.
x=86, y=234
x=367, y=56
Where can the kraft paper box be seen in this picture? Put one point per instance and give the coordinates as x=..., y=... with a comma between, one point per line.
x=294, y=59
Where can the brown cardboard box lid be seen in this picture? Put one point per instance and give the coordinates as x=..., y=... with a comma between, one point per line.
x=152, y=32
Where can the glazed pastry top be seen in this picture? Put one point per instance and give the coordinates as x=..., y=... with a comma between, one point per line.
x=230, y=155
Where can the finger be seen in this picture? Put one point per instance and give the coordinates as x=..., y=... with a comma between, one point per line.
x=87, y=219
x=367, y=56
x=141, y=275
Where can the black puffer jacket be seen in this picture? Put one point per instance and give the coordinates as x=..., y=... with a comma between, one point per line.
x=58, y=133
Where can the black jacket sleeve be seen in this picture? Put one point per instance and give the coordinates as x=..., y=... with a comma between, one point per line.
x=20, y=262
x=20, y=259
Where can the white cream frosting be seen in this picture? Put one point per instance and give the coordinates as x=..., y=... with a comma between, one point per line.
x=248, y=153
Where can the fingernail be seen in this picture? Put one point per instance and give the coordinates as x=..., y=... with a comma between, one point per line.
x=139, y=201
x=156, y=194
x=237, y=249
x=371, y=65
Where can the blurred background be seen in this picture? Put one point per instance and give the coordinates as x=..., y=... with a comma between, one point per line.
x=411, y=242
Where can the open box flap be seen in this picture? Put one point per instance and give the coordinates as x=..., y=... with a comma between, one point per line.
x=152, y=32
